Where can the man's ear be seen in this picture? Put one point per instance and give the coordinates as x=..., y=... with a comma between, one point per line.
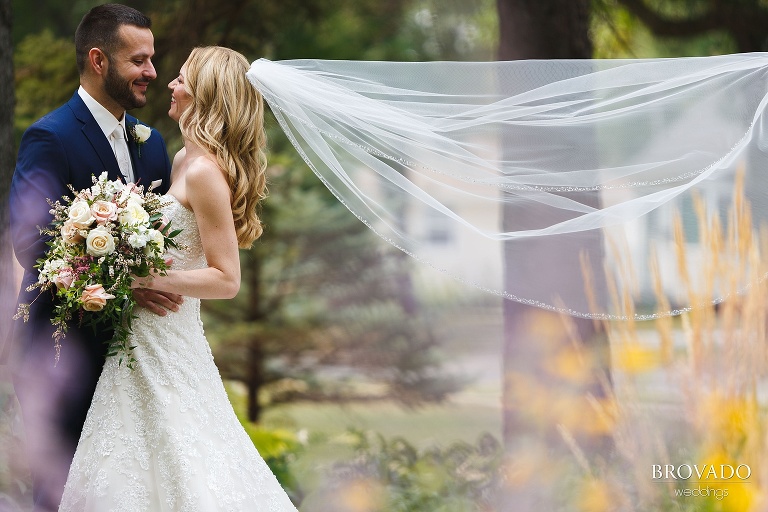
x=98, y=61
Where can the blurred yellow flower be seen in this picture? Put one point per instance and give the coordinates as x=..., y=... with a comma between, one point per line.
x=734, y=478
x=362, y=495
x=571, y=364
x=597, y=496
x=727, y=420
x=633, y=358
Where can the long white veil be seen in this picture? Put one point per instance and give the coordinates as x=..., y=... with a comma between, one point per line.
x=517, y=176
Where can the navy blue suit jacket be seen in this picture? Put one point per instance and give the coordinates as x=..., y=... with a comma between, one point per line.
x=65, y=147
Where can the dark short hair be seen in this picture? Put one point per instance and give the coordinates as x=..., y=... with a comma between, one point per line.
x=99, y=29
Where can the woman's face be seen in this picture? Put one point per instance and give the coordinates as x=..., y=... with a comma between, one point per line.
x=180, y=98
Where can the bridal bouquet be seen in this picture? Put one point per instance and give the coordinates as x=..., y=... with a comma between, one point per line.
x=102, y=238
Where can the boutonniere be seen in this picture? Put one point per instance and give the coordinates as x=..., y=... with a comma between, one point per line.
x=140, y=134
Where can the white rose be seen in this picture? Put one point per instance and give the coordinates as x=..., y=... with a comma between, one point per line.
x=80, y=214
x=100, y=242
x=157, y=237
x=133, y=213
x=142, y=133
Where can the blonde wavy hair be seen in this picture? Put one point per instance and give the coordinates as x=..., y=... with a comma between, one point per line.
x=226, y=117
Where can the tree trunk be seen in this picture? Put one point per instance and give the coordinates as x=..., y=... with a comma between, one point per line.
x=539, y=29
x=254, y=378
x=534, y=338
x=743, y=20
x=7, y=164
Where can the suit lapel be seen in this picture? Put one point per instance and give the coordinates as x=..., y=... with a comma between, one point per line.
x=133, y=149
x=95, y=136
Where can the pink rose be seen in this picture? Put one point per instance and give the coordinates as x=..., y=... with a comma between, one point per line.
x=70, y=233
x=95, y=297
x=63, y=279
x=104, y=211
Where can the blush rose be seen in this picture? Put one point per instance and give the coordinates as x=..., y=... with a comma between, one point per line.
x=95, y=297
x=104, y=211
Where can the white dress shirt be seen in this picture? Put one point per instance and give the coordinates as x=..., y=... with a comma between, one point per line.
x=107, y=122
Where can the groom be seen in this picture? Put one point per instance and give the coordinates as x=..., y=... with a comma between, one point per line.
x=89, y=135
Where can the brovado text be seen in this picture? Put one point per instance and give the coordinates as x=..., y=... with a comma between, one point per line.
x=701, y=472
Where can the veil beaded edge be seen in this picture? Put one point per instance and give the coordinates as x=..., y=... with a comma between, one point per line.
x=551, y=183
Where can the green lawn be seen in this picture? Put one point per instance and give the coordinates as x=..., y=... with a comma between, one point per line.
x=425, y=426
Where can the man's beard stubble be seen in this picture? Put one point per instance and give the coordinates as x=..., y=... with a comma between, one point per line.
x=120, y=90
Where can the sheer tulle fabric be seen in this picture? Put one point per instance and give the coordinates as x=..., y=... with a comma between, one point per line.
x=516, y=176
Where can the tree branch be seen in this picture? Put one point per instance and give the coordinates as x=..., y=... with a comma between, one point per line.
x=664, y=26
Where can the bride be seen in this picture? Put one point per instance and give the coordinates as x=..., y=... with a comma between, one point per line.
x=163, y=436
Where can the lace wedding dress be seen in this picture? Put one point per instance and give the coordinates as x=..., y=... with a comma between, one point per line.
x=163, y=436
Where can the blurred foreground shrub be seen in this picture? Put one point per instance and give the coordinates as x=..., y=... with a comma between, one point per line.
x=393, y=475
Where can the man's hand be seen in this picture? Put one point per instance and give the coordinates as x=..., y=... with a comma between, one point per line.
x=157, y=302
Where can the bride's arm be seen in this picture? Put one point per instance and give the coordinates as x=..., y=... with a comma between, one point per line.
x=209, y=197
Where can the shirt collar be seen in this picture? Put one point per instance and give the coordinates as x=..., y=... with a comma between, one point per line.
x=104, y=119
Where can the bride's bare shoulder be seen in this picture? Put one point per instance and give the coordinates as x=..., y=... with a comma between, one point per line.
x=205, y=175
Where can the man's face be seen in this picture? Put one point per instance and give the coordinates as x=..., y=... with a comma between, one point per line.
x=130, y=67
